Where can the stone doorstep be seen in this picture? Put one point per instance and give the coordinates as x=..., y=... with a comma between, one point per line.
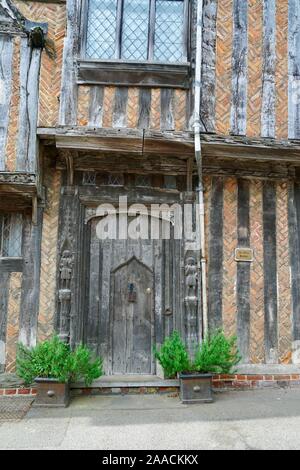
x=109, y=386
x=130, y=383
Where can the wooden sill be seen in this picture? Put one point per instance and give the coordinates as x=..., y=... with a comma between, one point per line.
x=11, y=265
x=138, y=74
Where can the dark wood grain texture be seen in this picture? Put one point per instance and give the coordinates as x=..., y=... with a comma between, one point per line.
x=243, y=271
x=239, y=68
x=270, y=272
x=215, y=267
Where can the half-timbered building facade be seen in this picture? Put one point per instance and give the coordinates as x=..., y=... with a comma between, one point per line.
x=188, y=107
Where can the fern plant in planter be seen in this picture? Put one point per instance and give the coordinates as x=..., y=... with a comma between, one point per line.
x=53, y=365
x=216, y=354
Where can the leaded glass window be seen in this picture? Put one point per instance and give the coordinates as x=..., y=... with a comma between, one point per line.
x=11, y=226
x=143, y=181
x=138, y=30
x=168, y=22
x=89, y=178
x=101, y=29
x=135, y=30
x=114, y=179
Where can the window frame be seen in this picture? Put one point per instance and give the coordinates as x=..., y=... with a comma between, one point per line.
x=10, y=215
x=151, y=36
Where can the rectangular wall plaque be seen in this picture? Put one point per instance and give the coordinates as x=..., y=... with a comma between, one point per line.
x=244, y=254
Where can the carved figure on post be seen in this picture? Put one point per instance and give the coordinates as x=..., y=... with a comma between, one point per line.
x=64, y=294
x=191, y=303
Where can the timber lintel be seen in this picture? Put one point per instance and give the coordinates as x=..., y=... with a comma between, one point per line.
x=18, y=182
x=17, y=190
x=176, y=144
x=11, y=265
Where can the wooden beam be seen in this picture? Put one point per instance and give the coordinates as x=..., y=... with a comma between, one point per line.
x=294, y=242
x=15, y=202
x=4, y=287
x=122, y=73
x=174, y=143
x=120, y=108
x=11, y=265
x=215, y=268
x=68, y=95
x=144, y=108
x=189, y=174
x=243, y=271
x=29, y=77
x=270, y=272
x=294, y=69
x=239, y=68
x=167, y=109
x=209, y=65
x=32, y=236
x=6, y=52
x=269, y=68
x=96, y=106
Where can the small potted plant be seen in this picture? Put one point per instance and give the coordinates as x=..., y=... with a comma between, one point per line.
x=52, y=365
x=215, y=355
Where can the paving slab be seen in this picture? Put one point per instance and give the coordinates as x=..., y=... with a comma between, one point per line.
x=266, y=419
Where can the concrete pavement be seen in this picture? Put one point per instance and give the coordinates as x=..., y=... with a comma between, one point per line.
x=266, y=419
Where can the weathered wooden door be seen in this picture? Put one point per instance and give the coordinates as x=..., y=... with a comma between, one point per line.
x=132, y=311
x=133, y=300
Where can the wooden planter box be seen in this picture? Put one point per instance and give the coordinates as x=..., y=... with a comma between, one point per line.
x=52, y=393
x=195, y=388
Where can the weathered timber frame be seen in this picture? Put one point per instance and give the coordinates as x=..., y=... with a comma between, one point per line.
x=29, y=265
x=121, y=72
x=20, y=189
x=222, y=155
x=77, y=209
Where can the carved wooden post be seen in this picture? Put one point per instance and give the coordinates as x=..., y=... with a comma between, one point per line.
x=64, y=294
x=191, y=303
x=192, y=275
x=66, y=261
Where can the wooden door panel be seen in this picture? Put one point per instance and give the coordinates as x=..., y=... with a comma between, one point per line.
x=132, y=321
x=123, y=333
x=119, y=321
x=142, y=311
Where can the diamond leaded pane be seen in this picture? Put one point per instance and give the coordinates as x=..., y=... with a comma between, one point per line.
x=5, y=231
x=15, y=236
x=135, y=29
x=11, y=235
x=143, y=181
x=113, y=179
x=101, y=31
x=89, y=178
x=169, y=23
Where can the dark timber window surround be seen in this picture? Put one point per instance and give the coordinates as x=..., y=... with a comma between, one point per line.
x=135, y=42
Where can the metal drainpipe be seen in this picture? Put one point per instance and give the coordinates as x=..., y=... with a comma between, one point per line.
x=198, y=155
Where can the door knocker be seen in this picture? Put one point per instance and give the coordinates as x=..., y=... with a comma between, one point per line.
x=131, y=293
